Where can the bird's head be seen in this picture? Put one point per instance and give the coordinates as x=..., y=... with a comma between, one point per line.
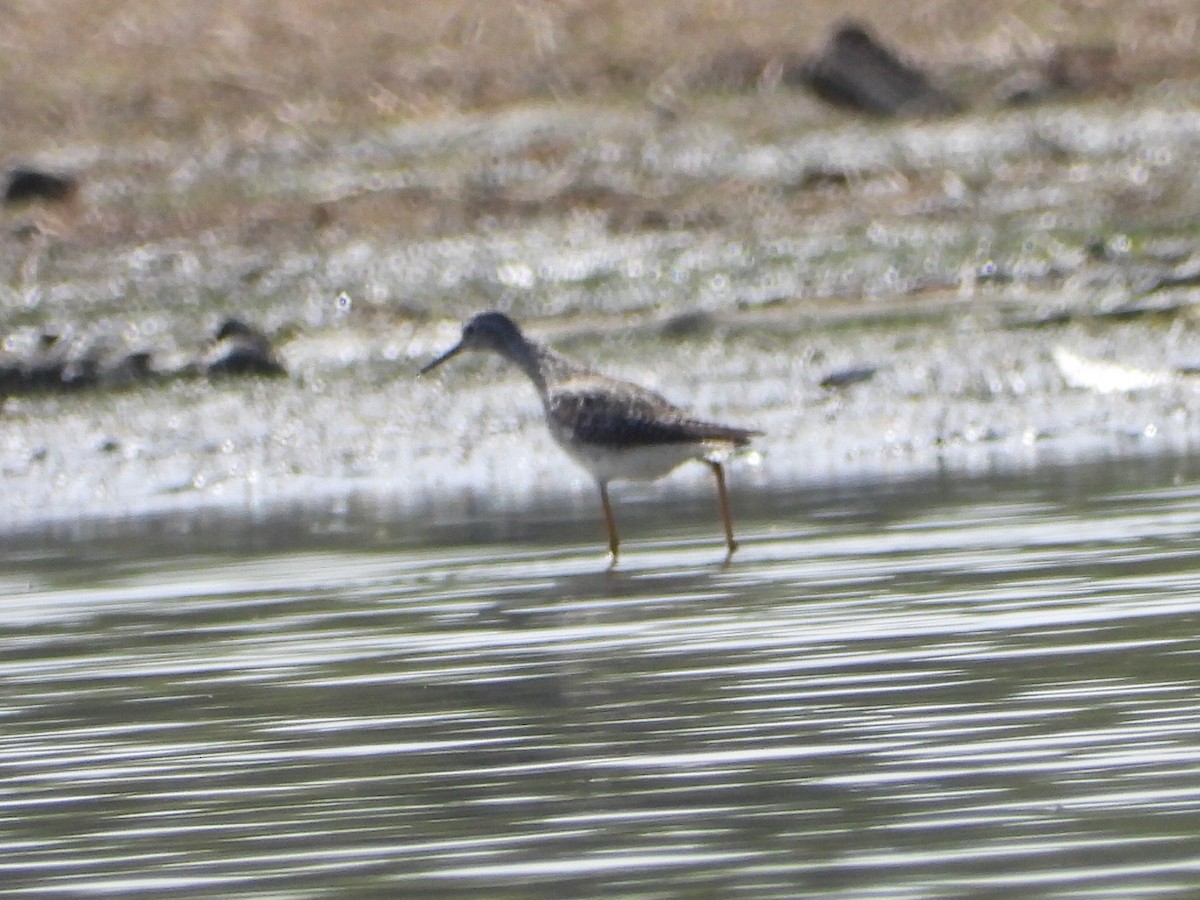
x=492, y=331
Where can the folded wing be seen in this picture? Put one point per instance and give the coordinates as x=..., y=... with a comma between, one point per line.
x=632, y=417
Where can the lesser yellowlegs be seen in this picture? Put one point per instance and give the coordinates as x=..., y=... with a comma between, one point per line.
x=615, y=429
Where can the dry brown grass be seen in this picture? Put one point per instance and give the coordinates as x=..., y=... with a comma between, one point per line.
x=109, y=69
x=109, y=73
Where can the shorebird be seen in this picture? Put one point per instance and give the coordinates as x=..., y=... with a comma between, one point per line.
x=241, y=349
x=614, y=429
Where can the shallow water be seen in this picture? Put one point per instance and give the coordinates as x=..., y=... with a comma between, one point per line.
x=897, y=688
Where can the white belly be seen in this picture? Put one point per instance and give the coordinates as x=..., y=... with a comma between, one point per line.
x=635, y=464
x=639, y=465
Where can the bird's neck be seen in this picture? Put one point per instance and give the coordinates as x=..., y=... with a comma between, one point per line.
x=544, y=367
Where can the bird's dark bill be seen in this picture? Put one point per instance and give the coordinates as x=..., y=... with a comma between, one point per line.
x=453, y=351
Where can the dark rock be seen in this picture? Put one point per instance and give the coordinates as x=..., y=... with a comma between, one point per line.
x=693, y=323
x=855, y=70
x=11, y=378
x=845, y=377
x=27, y=185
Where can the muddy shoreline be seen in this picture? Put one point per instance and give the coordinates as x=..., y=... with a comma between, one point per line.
x=882, y=298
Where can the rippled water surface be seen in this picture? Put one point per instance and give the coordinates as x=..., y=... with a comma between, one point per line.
x=897, y=689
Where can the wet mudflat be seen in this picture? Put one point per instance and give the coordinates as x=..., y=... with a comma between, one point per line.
x=736, y=260
x=909, y=687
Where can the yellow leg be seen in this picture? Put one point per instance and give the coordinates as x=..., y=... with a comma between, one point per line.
x=723, y=498
x=610, y=523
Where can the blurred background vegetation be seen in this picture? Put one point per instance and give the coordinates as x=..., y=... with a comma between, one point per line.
x=81, y=75
x=111, y=70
